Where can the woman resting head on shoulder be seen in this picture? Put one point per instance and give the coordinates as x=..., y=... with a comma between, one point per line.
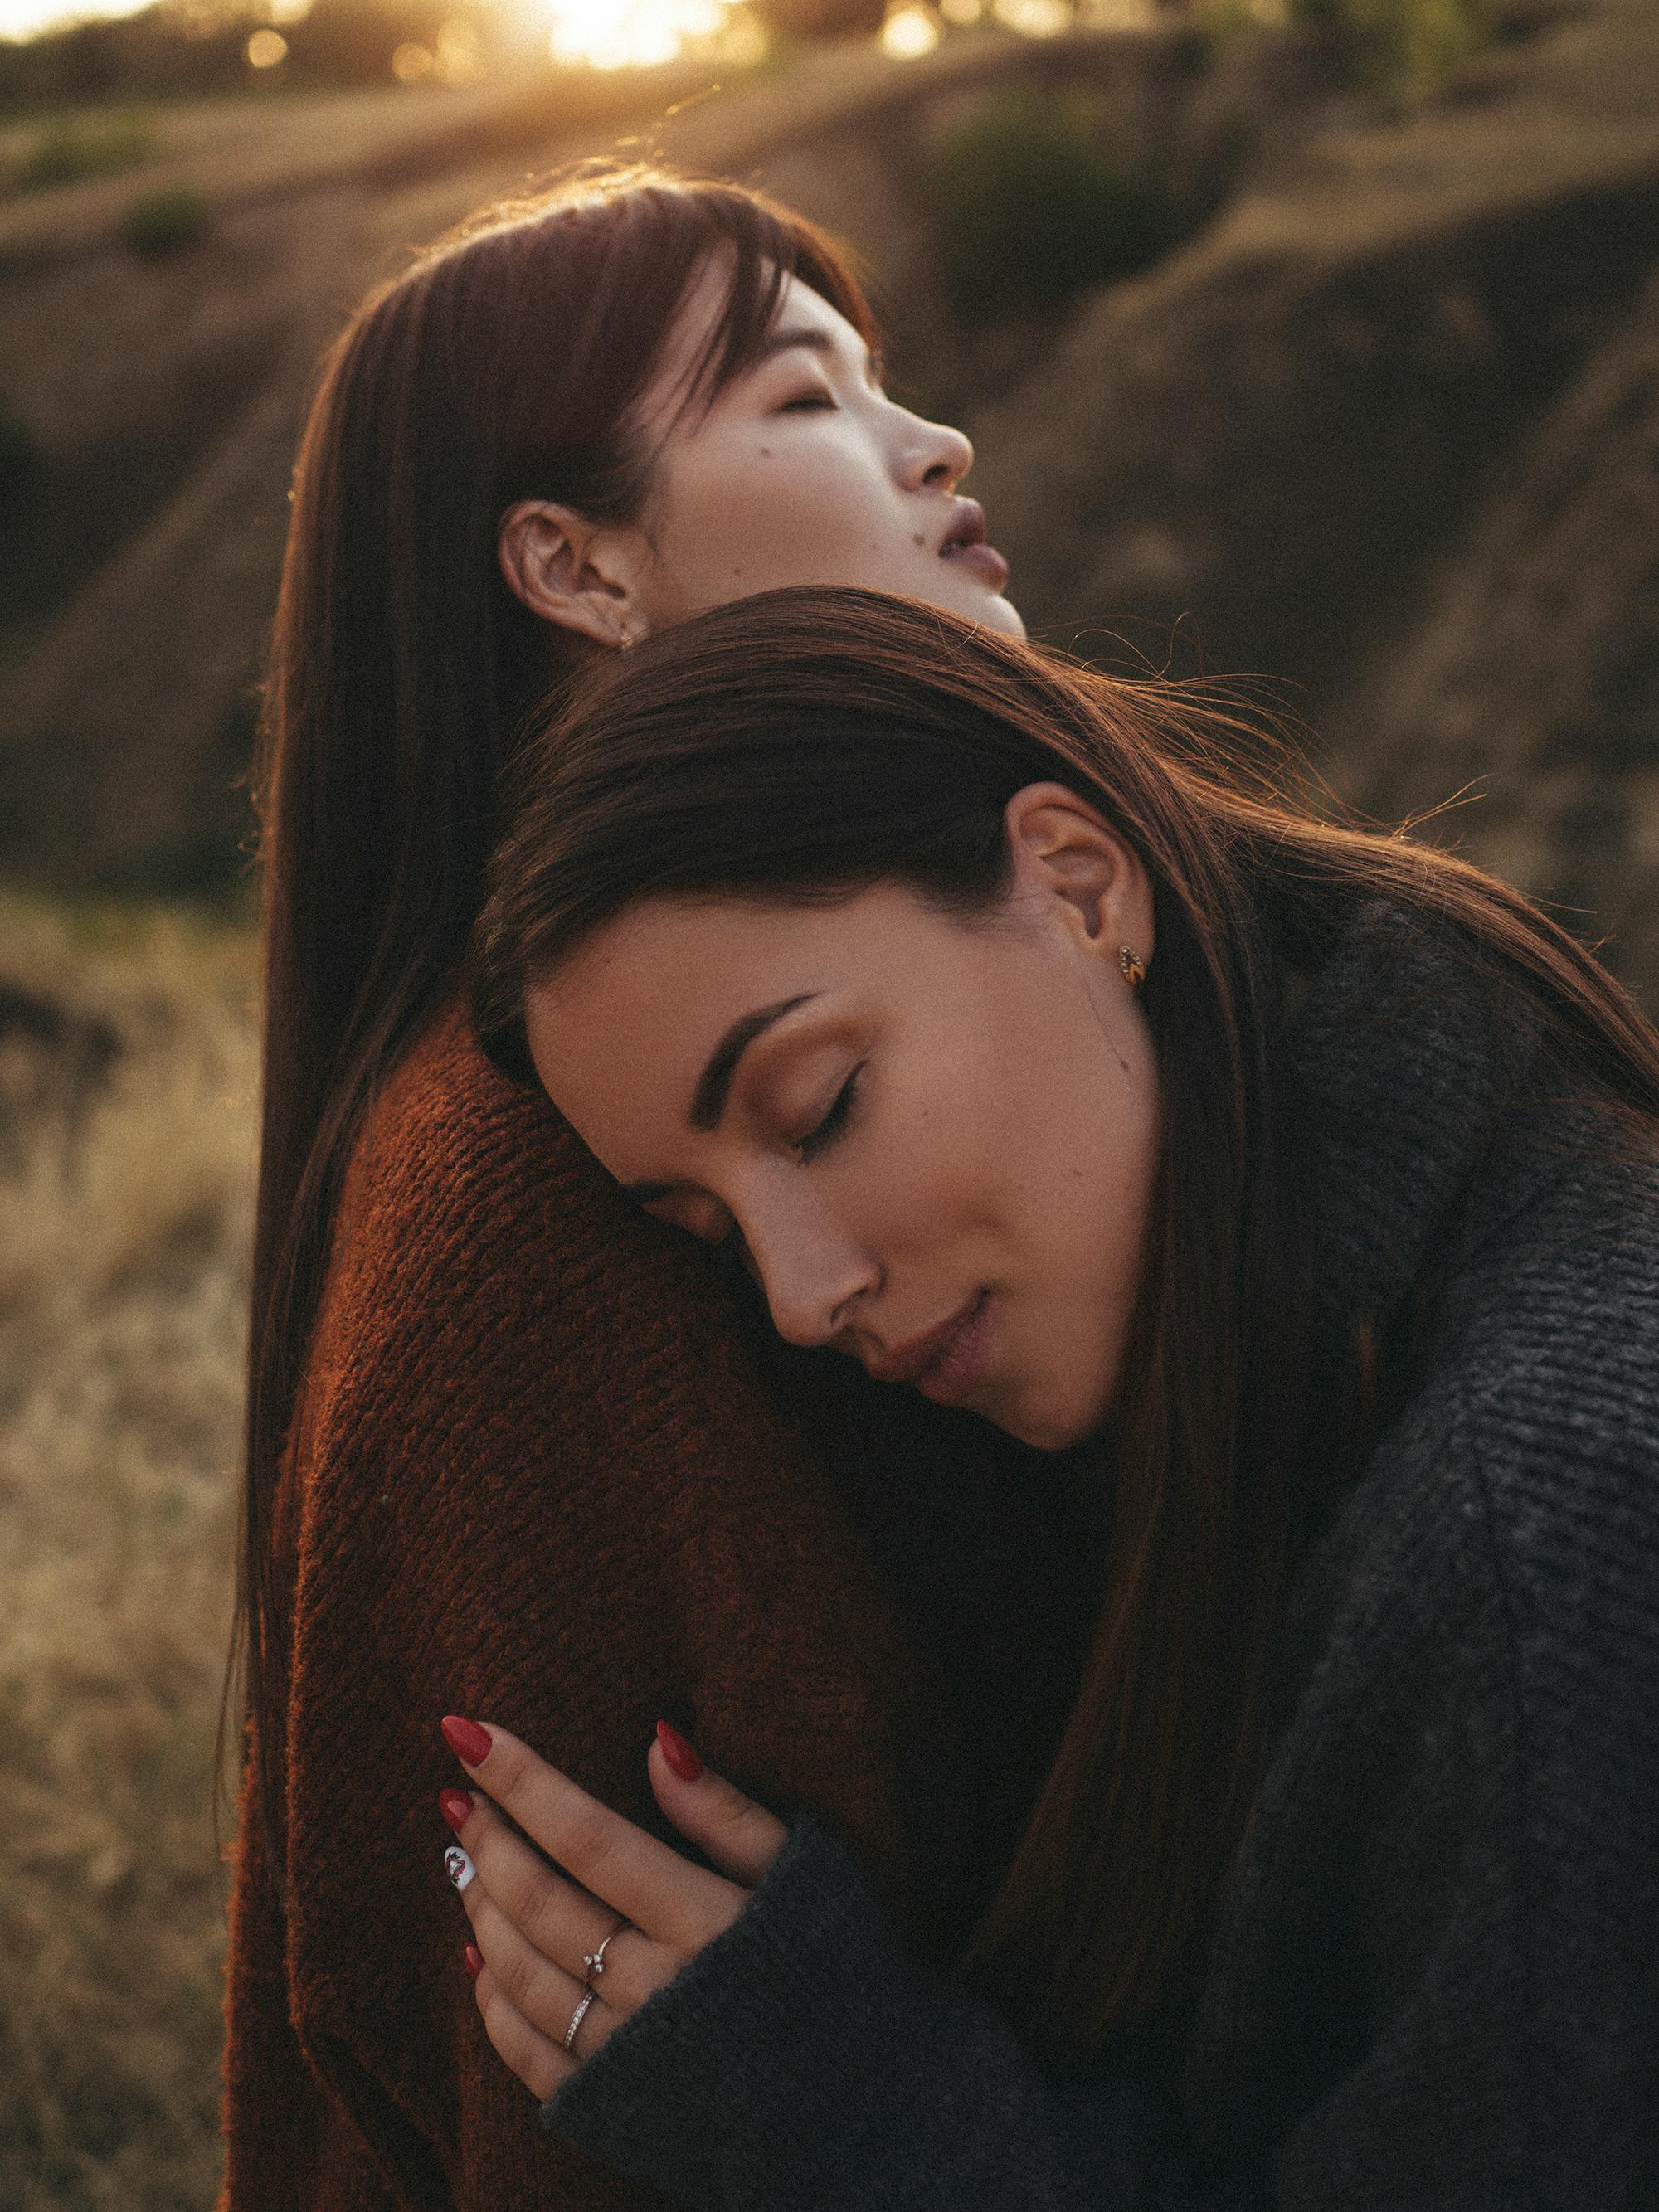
x=1301, y=1183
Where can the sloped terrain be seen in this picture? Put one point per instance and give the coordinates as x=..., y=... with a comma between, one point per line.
x=1299, y=446
x=165, y=397
x=1532, y=678
x=1388, y=431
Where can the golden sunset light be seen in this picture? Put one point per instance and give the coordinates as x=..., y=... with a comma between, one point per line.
x=617, y=33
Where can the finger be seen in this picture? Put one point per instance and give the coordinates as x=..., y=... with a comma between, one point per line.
x=554, y=1917
x=663, y=1894
x=742, y=1837
x=539, y=2063
x=544, y=1994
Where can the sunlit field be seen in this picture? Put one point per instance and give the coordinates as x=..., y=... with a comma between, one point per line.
x=125, y=1151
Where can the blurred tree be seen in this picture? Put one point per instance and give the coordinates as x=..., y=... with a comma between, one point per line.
x=199, y=48
x=823, y=19
x=1402, y=45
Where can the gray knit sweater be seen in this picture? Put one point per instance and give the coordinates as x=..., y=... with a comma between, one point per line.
x=1433, y=1978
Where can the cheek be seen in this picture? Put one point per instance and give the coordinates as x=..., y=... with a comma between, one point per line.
x=764, y=517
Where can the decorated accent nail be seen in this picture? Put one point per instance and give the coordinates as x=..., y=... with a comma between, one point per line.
x=472, y=1960
x=679, y=1753
x=456, y=1806
x=468, y=1742
x=459, y=1868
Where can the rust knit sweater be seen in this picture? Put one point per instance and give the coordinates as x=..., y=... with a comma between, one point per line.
x=548, y=1472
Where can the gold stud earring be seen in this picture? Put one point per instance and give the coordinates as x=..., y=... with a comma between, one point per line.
x=1133, y=967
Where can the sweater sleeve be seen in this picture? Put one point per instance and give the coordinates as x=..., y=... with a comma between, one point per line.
x=803, y=2060
x=1449, y=1999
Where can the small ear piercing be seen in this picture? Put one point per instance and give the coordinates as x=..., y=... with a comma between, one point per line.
x=1133, y=967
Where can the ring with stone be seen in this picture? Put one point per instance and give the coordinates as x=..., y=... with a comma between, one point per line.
x=594, y=1960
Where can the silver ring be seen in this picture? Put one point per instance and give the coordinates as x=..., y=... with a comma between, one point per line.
x=577, y=2017
x=594, y=1960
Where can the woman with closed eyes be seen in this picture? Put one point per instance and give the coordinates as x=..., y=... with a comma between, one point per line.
x=1299, y=1189
x=498, y=1443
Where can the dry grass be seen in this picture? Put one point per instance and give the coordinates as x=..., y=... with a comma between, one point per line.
x=123, y=1247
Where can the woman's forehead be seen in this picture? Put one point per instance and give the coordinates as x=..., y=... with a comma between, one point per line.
x=691, y=355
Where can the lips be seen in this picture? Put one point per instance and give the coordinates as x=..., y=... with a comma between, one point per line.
x=964, y=542
x=967, y=527
x=913, y=1360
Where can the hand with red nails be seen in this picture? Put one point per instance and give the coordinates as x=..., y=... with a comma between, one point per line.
x=536, y=1931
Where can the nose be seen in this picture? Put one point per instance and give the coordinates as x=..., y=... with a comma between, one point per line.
x=811, y=1274
x=933, y=455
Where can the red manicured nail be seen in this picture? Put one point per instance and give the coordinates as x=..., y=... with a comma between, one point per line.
x=456, y=1807
x=468, y=1742
x=679, y=1753
x=473, y=1958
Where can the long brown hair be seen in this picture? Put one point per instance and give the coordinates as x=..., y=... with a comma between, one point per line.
x=806, y=745
x=506, y=363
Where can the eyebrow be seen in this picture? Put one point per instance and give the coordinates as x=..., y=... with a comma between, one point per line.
x=708, y=1100
x=814, y=341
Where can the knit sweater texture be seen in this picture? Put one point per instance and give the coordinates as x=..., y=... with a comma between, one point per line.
x=1433, y=1978
x=547, y=1473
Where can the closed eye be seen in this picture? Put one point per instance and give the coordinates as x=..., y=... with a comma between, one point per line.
x=833, y=1122
x=808, y=399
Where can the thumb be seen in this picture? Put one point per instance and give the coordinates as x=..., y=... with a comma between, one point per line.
x=739, y=1837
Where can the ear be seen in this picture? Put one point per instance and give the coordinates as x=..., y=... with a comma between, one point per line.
x=1065, y=852
x=583, y=575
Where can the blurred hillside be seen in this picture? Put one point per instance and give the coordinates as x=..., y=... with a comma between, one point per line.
x=1372, y=405
x=128, y=1049
x=1267, y=373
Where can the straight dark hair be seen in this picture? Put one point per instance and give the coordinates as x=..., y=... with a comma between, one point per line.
x=506, y=363
x=804, y=745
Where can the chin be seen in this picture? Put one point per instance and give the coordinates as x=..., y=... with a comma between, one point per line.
x=1044, y=1431
x=991, y=609
x=977, y=602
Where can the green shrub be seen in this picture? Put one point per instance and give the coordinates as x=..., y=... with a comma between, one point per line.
x=164, y=222
x=1195, y=46
x=1029, y=207
x=1402, y=45
x=65, y=152
x=21, y=460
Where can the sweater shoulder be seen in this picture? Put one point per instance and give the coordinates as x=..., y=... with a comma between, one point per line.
x=1520, y=1478
x=461, y=1183
x=482, y=1263
x=1553, y=1361
x=450, y=1140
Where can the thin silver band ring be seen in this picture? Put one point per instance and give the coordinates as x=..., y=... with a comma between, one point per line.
x=577, y=2017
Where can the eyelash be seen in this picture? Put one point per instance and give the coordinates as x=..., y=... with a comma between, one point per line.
x=816, y=400
x=833, y=1122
